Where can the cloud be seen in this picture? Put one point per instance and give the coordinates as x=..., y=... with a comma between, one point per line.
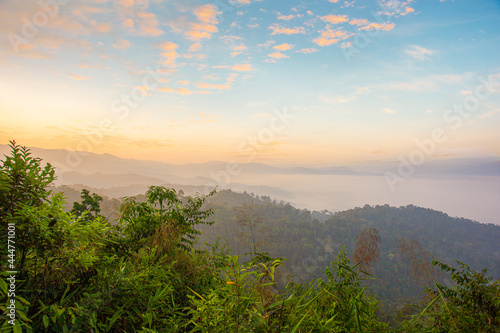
x=286, y=18
x=184, y=83
x=329, y=36
x=168, y=53
x=203, y=28
x=147, y=24
x=284, y=47
x=203, y=118
x=408, y=10
x=418, y=52
x=378, y=26
x=277, y=29
x=334, y=19
x=203, y=85
x=180, y=91
x=358, y=22
x=277, y=55
x=389, y=111
x=121, y=44
x=128, y=23
x=240, y=2
x=489, y=114
x=307, y=51
x=77, y=77
x=395, y=8
x=243, y=68
x=238, y=49
x=194, y=47
x=333, y=1
x=224, y=86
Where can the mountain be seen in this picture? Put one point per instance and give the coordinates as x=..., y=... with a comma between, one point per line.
x=91, y=163
x=309, y=244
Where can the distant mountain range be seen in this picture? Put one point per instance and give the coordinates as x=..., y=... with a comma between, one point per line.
x=141, y=171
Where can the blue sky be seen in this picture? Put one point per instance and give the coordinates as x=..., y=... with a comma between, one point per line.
x=193, y=81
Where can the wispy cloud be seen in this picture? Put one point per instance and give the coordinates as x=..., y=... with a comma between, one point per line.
x=121, y=44
x=77, y=77
x=307, y=51
x=378, y=26
x=418, y=52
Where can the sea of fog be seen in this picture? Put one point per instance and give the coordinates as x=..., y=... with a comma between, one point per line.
x=472, y=197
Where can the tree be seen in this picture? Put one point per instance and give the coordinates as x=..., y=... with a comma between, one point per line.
x=164, y=208
x=90, y=204
x=23, y=186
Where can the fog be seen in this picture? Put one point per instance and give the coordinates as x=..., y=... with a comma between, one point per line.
x=472, y=197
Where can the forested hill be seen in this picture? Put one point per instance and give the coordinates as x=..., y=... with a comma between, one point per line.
x=310, y=240
x=309, y=244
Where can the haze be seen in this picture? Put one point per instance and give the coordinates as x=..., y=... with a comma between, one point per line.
x=371, y=102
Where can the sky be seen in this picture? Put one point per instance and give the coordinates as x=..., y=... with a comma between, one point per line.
x=313, y=83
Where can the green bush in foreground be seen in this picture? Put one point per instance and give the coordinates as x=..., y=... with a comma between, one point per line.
x=77, y=272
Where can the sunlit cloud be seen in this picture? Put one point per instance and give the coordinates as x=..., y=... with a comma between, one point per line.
x=203, y=118
x=121, y=44
x=284, y=47
x=243, y=68
x=335, y=19
x=277, y=55
x=277, y=29
x=238, y=49
x=147, y=24
x=329, y=36
x=378, y=26
x=77, y=77
x=359, y=22
x=203, y=85
x=203, y=28
x=169, y=53
x=286, y=17
x=307, y=51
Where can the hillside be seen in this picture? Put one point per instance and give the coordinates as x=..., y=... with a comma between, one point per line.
x=309, y=245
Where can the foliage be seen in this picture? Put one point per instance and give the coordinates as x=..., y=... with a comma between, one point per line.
x=90, y=204
x=78, y=272
x=163, y=206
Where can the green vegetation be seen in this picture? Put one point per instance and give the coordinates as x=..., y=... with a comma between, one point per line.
x=143, y=272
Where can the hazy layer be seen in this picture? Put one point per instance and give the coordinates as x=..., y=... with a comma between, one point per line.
x=473, y=197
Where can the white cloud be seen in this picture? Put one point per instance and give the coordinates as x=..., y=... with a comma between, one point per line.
x=418, y=52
